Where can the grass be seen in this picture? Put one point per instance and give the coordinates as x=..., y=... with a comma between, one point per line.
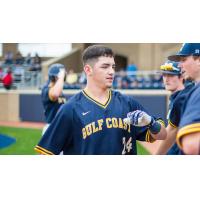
x=26, y=139
x=141, y=150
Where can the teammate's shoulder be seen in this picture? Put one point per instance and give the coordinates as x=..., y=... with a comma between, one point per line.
x=195, y=93
x=118, y=94
x=75, y=98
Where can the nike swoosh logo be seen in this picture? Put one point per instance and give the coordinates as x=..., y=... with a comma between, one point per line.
x=85, y=113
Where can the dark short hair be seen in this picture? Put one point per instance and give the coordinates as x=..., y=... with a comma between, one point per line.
x=95, y=51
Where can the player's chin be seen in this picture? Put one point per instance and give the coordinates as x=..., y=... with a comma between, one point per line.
x=109, y=85
x=169, y=88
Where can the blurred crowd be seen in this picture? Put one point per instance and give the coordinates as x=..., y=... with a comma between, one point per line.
x=17, y=69
x=31, y=63
x=124, y=79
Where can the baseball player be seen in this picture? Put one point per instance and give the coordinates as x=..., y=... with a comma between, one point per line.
x=95, y=121
x=188, y=137
x=52, y=92
x=173, y=81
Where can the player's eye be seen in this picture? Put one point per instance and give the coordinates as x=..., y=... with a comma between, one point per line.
x=104, y=66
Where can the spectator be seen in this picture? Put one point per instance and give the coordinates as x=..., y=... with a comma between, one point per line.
x=36, y=63
x=8, y=79
x=72, y=77
x=131, y=69
x=1, y=74
x=8, y=58
x=37, y=59
x=19, y=59
x=27, y=60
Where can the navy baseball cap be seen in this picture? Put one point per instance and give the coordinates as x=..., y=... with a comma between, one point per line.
x=54, y=69
x=187, y=49
x=170, y=67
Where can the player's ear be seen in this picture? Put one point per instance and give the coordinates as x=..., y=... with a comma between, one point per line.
x=88, y=69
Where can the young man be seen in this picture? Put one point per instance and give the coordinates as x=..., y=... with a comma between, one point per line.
x=188, y=137
x=173, y=81
x=52, y=92
x=91, y=122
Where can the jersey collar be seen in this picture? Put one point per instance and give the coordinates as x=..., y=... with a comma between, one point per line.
x=96, y=102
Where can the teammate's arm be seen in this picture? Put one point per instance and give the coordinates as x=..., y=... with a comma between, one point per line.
x=188, y=136
x=166, y=144
x=191, y=144
x=56, y=90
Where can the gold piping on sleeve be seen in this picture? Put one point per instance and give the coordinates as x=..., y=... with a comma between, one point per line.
x=172, y=124
x=161, y=122
x=186, y=130
x=42, y=150
x=149, y=138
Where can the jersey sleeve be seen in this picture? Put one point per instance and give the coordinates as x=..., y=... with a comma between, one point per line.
x=190, y=121
x=175, y=114
x=58, y=133
x=45, y=94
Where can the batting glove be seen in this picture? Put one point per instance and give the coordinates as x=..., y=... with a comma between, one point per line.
x=140, y=118
x=61, y=74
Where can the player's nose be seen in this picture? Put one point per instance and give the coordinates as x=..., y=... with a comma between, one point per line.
x=111, y=70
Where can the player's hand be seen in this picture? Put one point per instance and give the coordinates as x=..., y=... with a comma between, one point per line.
x=138, y=118
x=61, y=74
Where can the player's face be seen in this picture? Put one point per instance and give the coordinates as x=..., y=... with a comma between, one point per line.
x=190, y=67
x=103, y=72
x=171, y=82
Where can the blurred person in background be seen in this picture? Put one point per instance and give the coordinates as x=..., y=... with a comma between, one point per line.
x=52, y=92
x=1, y=74
x=8, y=79
x=8, y=58
x=19, y=59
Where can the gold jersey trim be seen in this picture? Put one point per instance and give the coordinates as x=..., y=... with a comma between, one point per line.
x=149, y=137
x=186, y=130
x=43, y=151
x=172, y=124
x=98, y=103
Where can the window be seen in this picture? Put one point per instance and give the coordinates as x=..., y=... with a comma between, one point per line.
x=44, y=50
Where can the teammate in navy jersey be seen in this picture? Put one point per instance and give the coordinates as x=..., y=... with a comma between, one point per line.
x=52, y=92
x=173, y=81
x=95, y=120
x=188, y=137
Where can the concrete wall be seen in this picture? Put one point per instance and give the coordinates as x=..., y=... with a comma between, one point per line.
x=9, y=106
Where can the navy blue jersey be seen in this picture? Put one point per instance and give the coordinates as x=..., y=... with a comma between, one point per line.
x=178, y=105
x=176, y=109
x=50, y=107
x=190, y=121
x=174, y=150
x=85, y=126
x=171, y=102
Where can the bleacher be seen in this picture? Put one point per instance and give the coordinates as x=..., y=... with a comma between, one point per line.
x=25, y=79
